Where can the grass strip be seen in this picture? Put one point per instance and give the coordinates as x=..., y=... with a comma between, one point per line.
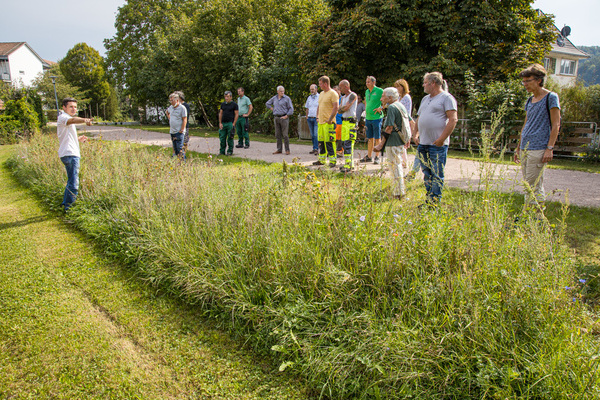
x=74, y=325
x=364, y=296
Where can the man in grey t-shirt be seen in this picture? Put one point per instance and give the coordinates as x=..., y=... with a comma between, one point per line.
x=177, y=115
x=436, y=120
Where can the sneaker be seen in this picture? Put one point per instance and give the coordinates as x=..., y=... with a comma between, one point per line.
x=239, y=146
x=376, y=160
x=366, y=159
x=318, y=163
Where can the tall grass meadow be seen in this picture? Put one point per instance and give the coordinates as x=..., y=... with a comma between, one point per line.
x=362, y=296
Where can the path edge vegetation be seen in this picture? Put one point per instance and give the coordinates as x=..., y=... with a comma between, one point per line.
x=347, y=320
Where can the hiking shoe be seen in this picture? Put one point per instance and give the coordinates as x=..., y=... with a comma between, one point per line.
x=366, y=159
x=318, y=163
x=239, y=146
x=247, y=146
x=376, y=160
x=345, y=169
x=332, y=165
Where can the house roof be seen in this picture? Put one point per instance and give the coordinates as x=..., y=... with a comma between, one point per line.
x=567, y=47
x=7, y=48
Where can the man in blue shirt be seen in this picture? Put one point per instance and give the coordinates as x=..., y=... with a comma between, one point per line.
x=311, y=105
x=282, y=108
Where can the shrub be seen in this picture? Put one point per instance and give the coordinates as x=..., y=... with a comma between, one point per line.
x=364, y=297
x=9, y=130
x=483, y=100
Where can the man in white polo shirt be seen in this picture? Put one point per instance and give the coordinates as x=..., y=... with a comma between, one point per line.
x=68, y=150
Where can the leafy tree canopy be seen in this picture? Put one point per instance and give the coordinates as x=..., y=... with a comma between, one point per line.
x=406, y=38
x=44, y=86
x=84, y=68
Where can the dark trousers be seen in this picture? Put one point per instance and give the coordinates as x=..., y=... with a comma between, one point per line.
x=281, y=132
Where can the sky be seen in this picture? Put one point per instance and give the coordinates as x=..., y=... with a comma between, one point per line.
x=52, y=28
x=580, y=15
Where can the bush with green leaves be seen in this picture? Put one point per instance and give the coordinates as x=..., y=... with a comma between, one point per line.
x=483, y=100
x=19, y=121
x=363, y=296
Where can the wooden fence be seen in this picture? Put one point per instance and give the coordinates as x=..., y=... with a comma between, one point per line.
x=574, y=138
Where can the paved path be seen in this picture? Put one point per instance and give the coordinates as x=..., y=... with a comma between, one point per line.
x=582, y=188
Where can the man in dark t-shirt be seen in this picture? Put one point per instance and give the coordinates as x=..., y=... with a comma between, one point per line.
x=228, y=116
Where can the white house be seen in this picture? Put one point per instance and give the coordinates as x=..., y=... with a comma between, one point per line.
x=562, y=63
x=19, y=63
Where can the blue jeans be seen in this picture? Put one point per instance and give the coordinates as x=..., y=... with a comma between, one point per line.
x=433, y=161
x=177, y=139
x=72, y=166
x=312, y=126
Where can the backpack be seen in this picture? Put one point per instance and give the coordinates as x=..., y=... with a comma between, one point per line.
x=405, y=133
x=548, y=109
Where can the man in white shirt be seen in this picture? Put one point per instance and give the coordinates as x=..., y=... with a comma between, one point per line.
x=68, y=149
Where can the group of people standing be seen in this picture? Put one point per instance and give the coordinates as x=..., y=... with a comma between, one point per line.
x=388, y=109
x=435, y=121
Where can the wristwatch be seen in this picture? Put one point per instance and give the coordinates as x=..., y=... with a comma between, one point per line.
x=550, y=147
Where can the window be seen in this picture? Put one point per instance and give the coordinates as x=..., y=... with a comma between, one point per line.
x=550, y=65
x=567, y=67
x=4, y=70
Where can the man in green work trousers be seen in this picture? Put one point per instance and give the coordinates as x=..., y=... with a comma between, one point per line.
x=244, y=110
x=228, y=116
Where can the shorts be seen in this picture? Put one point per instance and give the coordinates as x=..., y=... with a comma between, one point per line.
x=373, y=128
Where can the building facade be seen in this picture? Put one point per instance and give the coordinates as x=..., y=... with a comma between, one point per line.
x=20, y=64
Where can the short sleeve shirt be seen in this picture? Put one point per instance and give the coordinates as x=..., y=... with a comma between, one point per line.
x=67, y=137
x=536, y=132
x=432, y=117
x=326, y=102
x=243, y=105
x=394, y=118
x=312, y=103
x=229, y=110
x=176, y=118
x=373, y=99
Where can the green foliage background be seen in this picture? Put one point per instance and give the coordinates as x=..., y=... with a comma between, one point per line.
x=589, y=69
x=207, y=47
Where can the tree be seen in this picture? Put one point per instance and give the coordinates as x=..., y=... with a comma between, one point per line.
x=43, y=85
x=394, y=38
x=84, y=67
x=207, y=47
x=132, y=58
x=589, y=70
